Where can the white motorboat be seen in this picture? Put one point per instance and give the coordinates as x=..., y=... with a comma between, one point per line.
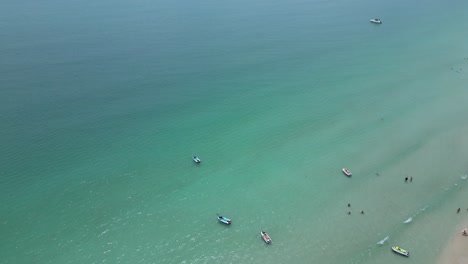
x=196, y=159
x=376, y=21
x=265, y=237
x=347, y=172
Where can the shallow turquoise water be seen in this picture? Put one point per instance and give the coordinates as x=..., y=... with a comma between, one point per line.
x=103, y=104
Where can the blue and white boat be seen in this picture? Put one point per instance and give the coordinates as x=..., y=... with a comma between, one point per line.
x=196, y=159
x=224, y=220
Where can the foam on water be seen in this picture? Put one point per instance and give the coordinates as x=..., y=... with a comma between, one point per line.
x=381, y=242
x=408, y=220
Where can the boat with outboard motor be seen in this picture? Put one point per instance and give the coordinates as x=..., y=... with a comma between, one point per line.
x=224, y=220
x=196, y=159
x=376, y=21
x=347, y=172
x=265, y=237
x=400, y=251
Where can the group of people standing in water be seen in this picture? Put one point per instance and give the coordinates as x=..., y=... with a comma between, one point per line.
x=349, y=212
x=406, y=180
x=410, y=179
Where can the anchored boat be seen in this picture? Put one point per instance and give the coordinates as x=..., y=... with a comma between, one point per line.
x=224, y=220
x=376, y=21
x=400, y=251
x=196, y=159
x=347, y=172
x=265, y=237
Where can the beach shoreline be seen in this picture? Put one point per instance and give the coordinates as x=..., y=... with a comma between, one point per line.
x=455, y=249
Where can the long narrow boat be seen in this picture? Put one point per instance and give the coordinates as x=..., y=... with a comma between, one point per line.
x=224, y=220
x=347, y=172
x=376, y=21
x=265, y=237
x=400, y=251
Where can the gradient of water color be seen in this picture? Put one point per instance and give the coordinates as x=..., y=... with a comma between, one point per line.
x=105, y=102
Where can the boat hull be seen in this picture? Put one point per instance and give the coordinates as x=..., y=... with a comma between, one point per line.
x=265, y=237
x=400, y=251
x=347, y=172
x=224, y=220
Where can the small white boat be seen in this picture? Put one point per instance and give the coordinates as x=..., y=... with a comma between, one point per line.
x=224, y=220
x=376, y=21
x=196, y=159
x=401, y=251
x=347, y=172
x=265, y=237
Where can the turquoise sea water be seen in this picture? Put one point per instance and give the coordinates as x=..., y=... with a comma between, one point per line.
x=104, y=103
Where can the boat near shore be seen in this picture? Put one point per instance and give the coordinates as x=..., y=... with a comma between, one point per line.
x=347, y=172
x=400, y=251
x=265, y=237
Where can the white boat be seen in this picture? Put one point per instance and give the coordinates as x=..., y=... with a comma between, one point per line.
x=265, y=237
x=224, y=220
x=196, y=159
x=376, y=21
x=347, y=172
x=401, y=251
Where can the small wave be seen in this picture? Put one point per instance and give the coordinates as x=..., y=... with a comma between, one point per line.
x=103, y=232
x=381, y=242
x=463, y=177
x=408, y=220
